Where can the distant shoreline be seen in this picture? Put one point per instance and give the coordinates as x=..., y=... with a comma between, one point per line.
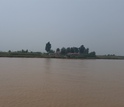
x=62, y=57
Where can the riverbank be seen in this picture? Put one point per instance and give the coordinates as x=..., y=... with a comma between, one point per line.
x=109, y=57
x=45, y=55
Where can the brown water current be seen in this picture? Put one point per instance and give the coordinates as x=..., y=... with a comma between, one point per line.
x=33, y=82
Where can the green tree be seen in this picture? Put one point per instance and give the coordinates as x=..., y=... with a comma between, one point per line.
x=68, y=50
x=52, y=51
x=63, y=51
x=81, y=49
x=23, y=51
x=86, y=51
x=57, y=50
x=72, y=50
x=9, y=51
x=92, y=54
x=26, y=51
x=76, y=50
x=48, y=47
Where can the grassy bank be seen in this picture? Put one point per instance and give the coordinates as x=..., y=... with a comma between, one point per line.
x=109, y=57
x=45, y=55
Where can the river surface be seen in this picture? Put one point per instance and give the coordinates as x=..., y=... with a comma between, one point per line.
x=35, y=82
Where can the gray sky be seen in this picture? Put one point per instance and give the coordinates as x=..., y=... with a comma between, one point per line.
x=30, y=24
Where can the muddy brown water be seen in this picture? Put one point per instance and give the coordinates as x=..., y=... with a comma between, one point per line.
x=33, y=82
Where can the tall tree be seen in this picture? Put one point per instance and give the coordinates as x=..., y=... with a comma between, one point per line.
x=86, y=51
x=68, y=50
x=57, y=50
x=48, y=47
x=72, y=50
x=76, y=50
x=82, y=49
x=63, y=51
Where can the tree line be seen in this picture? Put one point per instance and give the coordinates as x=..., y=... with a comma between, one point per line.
x=75, y=51
x=69, y=52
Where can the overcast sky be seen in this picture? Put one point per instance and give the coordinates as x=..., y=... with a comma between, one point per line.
x=30, y=24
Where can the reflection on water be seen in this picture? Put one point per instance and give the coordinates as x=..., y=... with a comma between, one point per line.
x=61, y=83
x=47, y=64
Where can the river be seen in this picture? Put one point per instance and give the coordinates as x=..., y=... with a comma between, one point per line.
x=40, y=82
